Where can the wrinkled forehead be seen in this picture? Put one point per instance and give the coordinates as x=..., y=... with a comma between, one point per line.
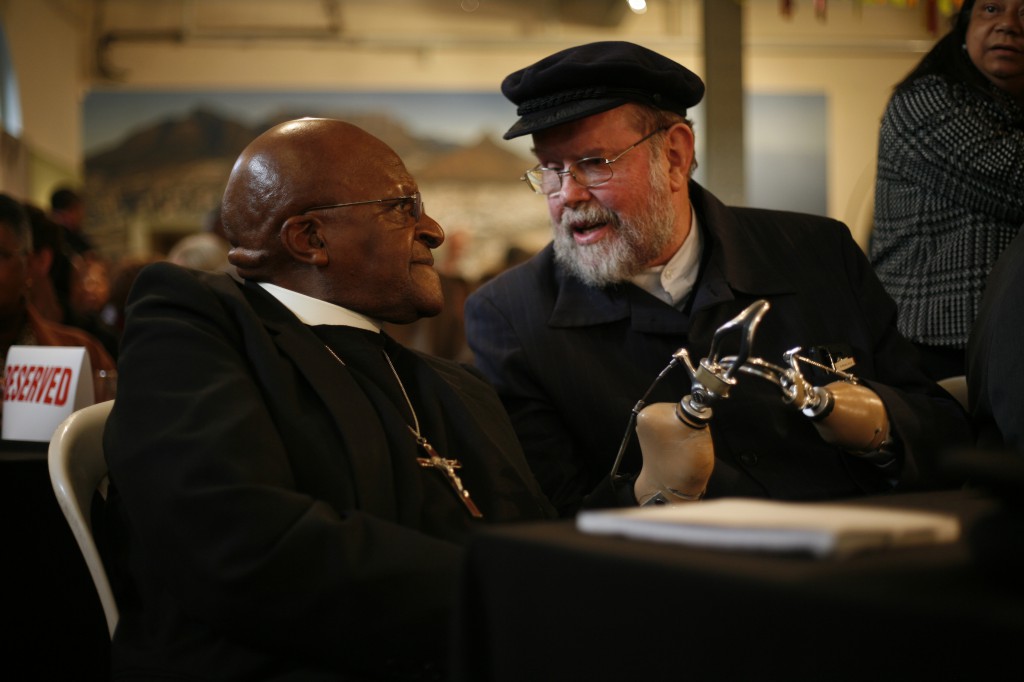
x=345, y=170
x=591, y=136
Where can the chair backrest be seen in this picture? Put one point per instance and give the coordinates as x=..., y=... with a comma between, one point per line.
x=77, y=468
x=956, y=387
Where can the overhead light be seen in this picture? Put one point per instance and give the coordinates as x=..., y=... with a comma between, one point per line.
x=638, y=6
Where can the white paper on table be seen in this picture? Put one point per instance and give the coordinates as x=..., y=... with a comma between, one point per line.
x=822, y=529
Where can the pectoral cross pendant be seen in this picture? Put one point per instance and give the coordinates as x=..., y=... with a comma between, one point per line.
x=447, y=467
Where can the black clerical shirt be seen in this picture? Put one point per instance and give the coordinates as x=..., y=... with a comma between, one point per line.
x=426, y=498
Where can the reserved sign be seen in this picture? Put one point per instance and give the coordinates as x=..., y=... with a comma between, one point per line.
x=43, y=385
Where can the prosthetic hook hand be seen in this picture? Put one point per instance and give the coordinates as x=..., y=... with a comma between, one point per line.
x=678, y=455
x=845, y=413
x=675, y=441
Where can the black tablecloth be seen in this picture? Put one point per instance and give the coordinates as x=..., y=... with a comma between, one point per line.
x=53, y=624
x=547, y=602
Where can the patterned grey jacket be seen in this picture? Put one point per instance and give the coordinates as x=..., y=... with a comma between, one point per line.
x=948, y=199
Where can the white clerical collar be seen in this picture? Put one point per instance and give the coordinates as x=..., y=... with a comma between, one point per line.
x=314, y=311
x=673, y=281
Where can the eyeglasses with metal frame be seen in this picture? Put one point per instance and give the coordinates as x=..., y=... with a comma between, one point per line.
x=414, y=201
x=589, y=172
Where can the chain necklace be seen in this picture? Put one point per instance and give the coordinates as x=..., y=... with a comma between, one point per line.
x=433, y=460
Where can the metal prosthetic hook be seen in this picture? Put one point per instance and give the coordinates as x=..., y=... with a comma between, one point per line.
x=712, y=378
x=844, y=412
x=678, y=452
x=709, y=381
x=677, y=449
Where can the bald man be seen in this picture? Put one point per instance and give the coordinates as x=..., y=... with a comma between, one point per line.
x=290, y=488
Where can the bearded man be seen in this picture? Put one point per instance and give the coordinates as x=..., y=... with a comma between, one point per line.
x=645, y=261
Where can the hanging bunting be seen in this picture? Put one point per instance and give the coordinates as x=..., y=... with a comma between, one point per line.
x=934, y=10
x=931, y=16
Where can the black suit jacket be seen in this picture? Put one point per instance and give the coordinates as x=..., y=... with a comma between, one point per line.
x=266, y=518
x=571, y=361
x=995, y=364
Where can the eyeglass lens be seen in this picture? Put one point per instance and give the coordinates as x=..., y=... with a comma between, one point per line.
x=417, y=206
x=588, y=172
x=412, y=204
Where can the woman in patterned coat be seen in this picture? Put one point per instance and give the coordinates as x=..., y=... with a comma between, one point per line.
x=950, y=189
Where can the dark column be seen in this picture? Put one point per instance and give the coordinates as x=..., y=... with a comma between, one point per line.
x=723, y=101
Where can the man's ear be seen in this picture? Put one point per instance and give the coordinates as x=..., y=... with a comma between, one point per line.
x=303, y=239
x=679, y=151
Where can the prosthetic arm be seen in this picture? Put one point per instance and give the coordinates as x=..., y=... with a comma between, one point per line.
x=678, y=455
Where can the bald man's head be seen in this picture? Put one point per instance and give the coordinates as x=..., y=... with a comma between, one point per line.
x=323, y=208
x=291, y=167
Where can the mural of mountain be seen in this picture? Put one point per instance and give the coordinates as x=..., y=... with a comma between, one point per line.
x=164, y=181
x=486, y=161
x=202, y=135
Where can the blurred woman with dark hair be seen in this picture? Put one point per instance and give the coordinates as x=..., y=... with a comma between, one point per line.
x=20, y=323
x=49, y=267
x=950, y=189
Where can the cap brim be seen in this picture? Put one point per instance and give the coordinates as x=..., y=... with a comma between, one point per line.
x=564, y=113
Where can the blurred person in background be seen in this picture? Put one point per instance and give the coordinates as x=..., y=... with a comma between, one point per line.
x=950, y=189
x=49, y=267
x=125, y=272
x=995, y=366
x=203, y=251
x=20, y=323
x=67, y=209
x=90, y=292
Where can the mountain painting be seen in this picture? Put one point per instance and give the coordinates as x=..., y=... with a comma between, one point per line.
x=156, y=164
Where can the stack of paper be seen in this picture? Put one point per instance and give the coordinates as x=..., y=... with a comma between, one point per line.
x=733, y=523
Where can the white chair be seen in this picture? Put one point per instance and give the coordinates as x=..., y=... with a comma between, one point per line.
x=956, y=387
x=77, y=469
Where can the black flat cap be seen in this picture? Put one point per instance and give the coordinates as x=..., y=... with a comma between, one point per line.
x=588, y=79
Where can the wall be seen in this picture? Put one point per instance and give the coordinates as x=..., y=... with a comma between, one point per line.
x=855, y=55
x=46, y=44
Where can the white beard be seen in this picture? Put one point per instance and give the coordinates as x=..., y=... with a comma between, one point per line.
x=633, y=244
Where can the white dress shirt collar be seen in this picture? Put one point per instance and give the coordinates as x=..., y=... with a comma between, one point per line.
x=673, y=281
x=314, y=311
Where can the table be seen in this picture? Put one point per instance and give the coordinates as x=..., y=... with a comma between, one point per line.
x=547, y=602
x=22, y=451
x=53, y=628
